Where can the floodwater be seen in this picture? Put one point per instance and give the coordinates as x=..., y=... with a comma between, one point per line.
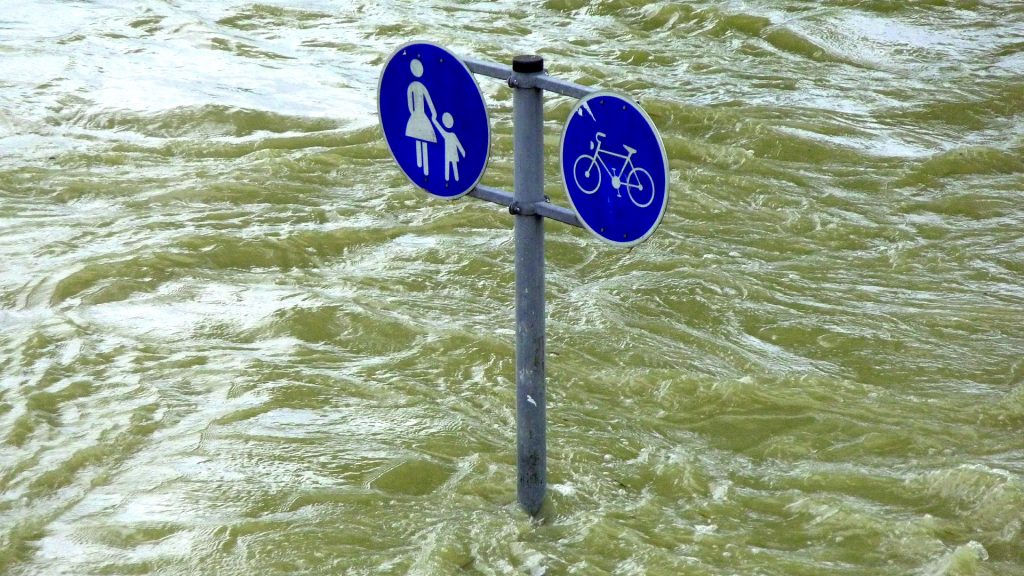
x=235, y=340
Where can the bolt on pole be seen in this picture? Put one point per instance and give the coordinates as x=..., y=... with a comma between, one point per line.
x=528, y=153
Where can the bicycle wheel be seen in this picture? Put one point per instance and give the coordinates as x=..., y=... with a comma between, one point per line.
x=587, y=174
x=640, y=187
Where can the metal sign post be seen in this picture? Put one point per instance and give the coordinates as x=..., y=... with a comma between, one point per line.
x=409, y=116
x=528, y=185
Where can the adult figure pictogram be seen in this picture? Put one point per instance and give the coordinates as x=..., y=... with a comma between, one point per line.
x=419, y=127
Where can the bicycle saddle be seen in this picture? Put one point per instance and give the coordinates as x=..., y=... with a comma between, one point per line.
x=629, y=149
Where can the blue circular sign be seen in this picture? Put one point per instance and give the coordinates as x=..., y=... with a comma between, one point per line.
x=614, y=168
x=434, y=119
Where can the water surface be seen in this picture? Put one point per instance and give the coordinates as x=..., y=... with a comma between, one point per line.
x=235, y=340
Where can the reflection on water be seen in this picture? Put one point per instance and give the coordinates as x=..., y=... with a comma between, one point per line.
x=234, y=340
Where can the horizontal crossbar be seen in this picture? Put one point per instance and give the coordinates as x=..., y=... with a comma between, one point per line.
x=545, y=209
x=542, y=81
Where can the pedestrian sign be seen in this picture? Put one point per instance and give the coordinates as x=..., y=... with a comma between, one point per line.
x=434, y=119
x=614, y=168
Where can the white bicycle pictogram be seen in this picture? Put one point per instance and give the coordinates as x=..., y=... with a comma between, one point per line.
x=586, y=171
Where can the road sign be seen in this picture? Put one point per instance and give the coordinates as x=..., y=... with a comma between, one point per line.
x=614, y=168
x=434, y=119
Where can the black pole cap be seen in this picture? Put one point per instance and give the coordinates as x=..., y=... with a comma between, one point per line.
x=528, y=63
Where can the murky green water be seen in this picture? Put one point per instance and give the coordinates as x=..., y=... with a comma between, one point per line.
x=234, y=340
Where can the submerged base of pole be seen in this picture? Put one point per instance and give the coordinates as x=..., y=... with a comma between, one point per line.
x=531, y=417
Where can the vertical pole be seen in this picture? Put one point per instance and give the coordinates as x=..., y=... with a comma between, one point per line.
x=528, y=153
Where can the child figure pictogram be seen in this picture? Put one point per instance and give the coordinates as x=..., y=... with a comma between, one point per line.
x=452, y=147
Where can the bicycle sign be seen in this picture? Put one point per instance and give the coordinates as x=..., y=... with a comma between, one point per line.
x=614, y=168
x=586, y=171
